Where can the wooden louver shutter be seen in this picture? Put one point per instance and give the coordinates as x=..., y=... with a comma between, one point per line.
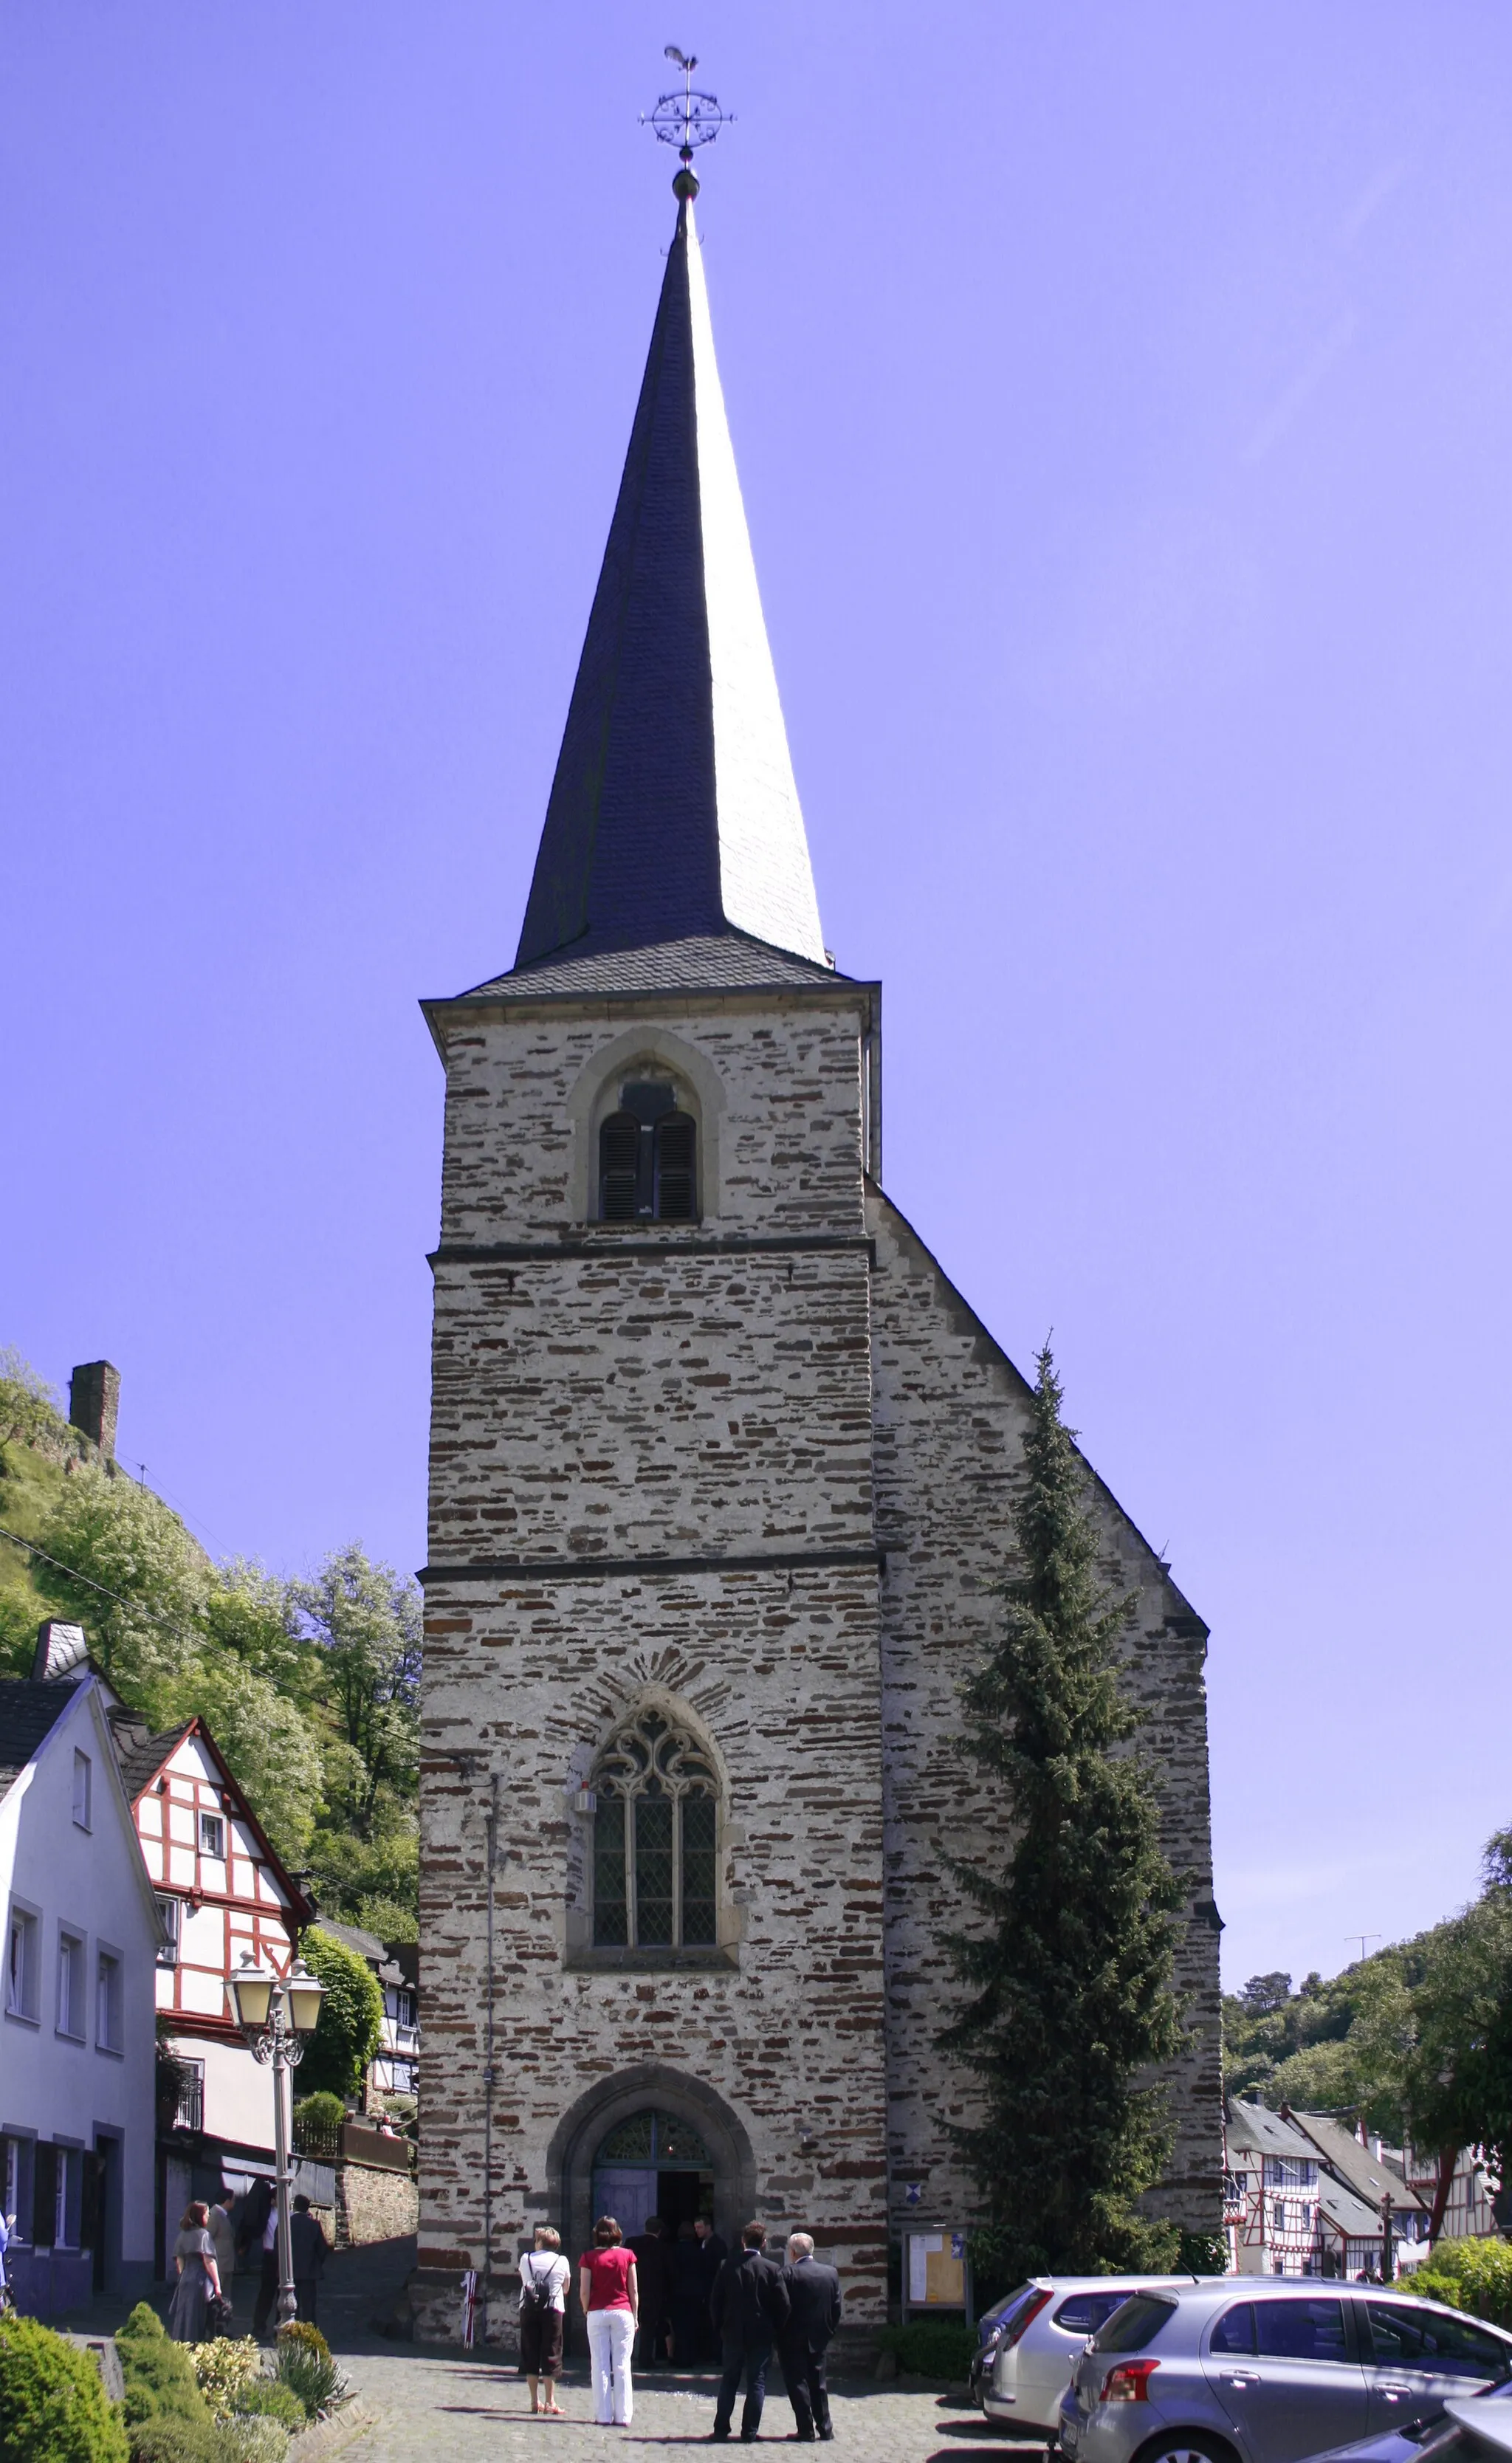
x=675, y=1178
x=618, y=1155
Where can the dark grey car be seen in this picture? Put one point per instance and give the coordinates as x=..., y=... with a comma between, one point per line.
x=1248, y=2370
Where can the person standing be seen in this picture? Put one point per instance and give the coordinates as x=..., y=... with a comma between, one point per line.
x=750, y=2309
x=199, y=2276
x=711, y=2255
x=610, y=2297
x=223, y=2234
x=812, y=2292
x=309, y=2250
x=688, y=2307
x=544, y=2276
x=267, y=2288
x=651, y=2256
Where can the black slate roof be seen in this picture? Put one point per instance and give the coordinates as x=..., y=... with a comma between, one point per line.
x=704, y=962
x=139, y=1754
x=29, y=1712
x=633, y=852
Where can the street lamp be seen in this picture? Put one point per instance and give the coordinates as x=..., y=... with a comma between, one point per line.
x=275, y=2015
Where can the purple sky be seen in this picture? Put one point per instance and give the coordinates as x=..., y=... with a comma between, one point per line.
x=1122, y=399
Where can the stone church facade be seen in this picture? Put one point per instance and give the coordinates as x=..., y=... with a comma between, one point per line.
x=720, y=1476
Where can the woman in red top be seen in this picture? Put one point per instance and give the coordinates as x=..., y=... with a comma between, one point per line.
x=610, y=2297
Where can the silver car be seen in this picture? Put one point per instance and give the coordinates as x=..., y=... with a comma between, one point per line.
x=1472, y=2434
x=1030, y=2341
x=1262, y=2369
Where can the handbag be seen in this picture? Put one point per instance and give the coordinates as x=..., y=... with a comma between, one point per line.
x=217, y=2314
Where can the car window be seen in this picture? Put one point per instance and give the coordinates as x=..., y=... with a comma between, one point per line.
x=1006, y=2311
x=1086, y=2311
x=1135, y=2323
x=1235, y=2331
x=1445, y=2346
x=1301, y=2330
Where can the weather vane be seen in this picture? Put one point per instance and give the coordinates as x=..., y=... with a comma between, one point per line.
x=686, y=121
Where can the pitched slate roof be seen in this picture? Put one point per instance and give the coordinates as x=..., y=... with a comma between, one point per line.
x=29, y=1709
x=704, y=962
x=1356, y=2165
x=673, y=814
x=1350, y=2215
x=1253, y=2130
x=139, y=1754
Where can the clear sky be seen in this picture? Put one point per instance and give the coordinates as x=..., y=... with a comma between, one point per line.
x=1122, y=401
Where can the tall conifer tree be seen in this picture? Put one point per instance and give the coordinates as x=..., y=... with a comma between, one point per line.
x=1069, y=1982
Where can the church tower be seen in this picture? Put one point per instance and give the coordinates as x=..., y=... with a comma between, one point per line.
x=719, y=1475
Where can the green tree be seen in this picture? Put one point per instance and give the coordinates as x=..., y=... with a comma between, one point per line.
x=269, y=1746
x=1069, y=1981
x=137, y=1581
x=366, y=1623
x=30, y=1407
x=351, y=2017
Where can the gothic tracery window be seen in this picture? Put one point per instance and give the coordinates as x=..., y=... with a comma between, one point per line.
x=647, y=1159
x=655, y=1832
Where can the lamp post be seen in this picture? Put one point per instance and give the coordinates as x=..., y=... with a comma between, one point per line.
x=275, y=2013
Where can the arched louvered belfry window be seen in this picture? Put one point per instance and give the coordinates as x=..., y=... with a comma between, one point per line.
x=654, y=1839
x=648, y=1158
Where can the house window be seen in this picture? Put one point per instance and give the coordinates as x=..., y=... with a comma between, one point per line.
x=22, y=1977
x=82, y=1777
x=68, y=2188
x=70, y=1984
x=17, y=2167
x=654, y=1840
x=648, y=1158
x=107, y=2002
x=213, y=1834
x=170, y=1913
x=1278, y=2216
x=190, y=2111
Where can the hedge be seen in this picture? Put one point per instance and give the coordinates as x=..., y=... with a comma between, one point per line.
x=933, y=2347
x=1471, y=2275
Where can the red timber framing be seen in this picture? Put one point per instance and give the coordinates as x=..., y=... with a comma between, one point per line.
x=217, y=1905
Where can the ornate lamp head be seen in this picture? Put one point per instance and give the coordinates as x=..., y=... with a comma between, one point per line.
x=305, y=1993
x=250, y=1991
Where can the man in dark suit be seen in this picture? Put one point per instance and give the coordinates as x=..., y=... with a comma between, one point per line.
x=750, y=2310
x=711, y=2255
x=812, y=2292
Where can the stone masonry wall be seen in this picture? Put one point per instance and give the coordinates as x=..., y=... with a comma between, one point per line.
x=703, y=1399
x=951, y=1414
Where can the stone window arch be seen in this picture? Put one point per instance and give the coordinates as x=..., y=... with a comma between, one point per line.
x=638, y=1079
x=655, y=1837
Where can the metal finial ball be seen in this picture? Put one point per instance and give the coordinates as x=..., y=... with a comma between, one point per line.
x=684, y=186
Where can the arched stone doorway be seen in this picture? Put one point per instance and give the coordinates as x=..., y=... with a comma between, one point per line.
x=653, y=2112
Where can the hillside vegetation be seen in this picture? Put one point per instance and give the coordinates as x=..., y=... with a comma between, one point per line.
x=308, y=1687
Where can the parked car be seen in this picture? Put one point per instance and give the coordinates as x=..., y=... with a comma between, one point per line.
x=1029, y=2342
x=1268, y=2370
x=1451, y=2435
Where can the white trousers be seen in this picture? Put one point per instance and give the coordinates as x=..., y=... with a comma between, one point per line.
x=611, y=2332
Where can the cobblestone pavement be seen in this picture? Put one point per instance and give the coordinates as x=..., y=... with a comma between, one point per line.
x=437, y=2402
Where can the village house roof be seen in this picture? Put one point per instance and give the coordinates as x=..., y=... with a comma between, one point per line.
x=1355, y=2218
x=1253, y=2130
x=1364, y=2173
x=142, y=1756
x=673, y=815
x=29, y=1709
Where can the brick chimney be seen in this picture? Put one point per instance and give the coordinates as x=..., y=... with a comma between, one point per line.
x=94, y=1398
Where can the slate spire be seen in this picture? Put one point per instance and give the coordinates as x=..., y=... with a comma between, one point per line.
x=674, y=811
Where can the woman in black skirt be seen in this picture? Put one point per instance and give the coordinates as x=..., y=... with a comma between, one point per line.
x=544, y=2278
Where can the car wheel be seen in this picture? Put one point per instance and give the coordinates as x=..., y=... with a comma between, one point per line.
x=1184, y=2446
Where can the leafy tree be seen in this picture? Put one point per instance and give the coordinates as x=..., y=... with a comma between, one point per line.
x=30, y=1407
x=366, y=1623
x=138, y=1581
x=1069, y=1984
x=351, y=2017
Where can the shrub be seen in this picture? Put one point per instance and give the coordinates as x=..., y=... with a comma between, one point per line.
x=299, y=2331
x=161, y=2383
x=255, y=2438
x=52, y=2407
x=222, y=2368
x=313, y=2376
x=1471, y=2275
x=326, y=2111
x=269, y=2399
x=1202, y=2254
x=933, y=2347
x=171, y=2440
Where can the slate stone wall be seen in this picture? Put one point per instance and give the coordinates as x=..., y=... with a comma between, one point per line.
x=951, y=1416
x=662, y=1460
